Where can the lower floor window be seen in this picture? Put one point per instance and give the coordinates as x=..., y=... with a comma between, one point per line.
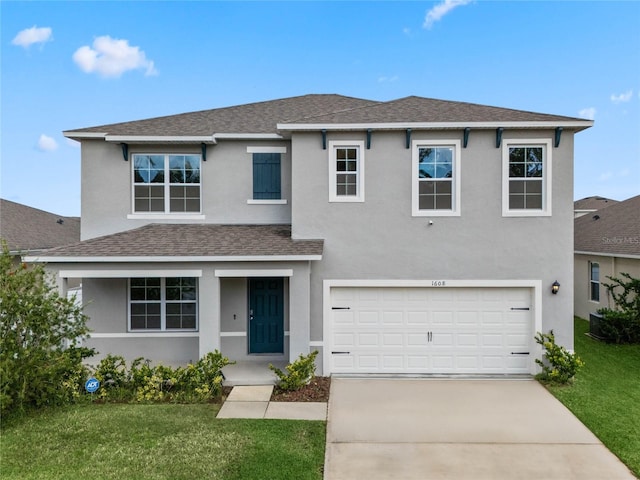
x=594, y=282
x=163, y=303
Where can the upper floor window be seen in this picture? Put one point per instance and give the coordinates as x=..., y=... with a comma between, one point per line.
x=594, y=281
x=526, y=177
x=163, y=303
x=166, y=183
x=346, y=171
x=435, y=178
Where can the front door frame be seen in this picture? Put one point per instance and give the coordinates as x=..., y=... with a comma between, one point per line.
x=276, y=346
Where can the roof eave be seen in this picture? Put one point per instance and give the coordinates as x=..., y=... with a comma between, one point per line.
x=577, y=125
x=171, y=259
x=608, y=254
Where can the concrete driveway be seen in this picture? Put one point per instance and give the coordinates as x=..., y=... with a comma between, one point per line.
x=458, y=429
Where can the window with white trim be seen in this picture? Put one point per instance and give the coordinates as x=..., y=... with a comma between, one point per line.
x=526, y=189
x=435, y=178
x=346, y=171
x=163, y=304
x=594, y=282
x=166, y=183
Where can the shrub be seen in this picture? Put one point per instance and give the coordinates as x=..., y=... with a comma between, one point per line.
x=622, y=323
x=199, y=382
x=560, y=365
x=40, y=357
x=299, y=373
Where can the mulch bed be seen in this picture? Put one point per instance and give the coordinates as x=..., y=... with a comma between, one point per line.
x=316, y=391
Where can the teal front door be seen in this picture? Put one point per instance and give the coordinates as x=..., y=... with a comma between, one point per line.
x=266, y=315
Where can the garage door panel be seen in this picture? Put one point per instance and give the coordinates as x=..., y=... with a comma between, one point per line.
x=430, y=330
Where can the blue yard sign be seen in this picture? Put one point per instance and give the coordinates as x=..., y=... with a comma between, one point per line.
x=92, y=385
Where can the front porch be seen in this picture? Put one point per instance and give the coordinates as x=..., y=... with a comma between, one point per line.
x=251, y=373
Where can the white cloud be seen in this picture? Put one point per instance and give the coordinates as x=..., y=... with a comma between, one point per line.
x=623, y=97
x=440, y=10
x=46, y=143
x=388, y=79
x=605, y=176
x=406, y=31
x=29, y=36
x=111, y=57
x=588, y=113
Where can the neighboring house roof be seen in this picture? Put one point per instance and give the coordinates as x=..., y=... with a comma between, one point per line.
x=319, y=111
x=184, y=241
x=29, y=229
x=610, y=231
x=590, y=204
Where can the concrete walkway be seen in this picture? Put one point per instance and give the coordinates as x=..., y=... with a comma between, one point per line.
x=253, y=402
x=458, y=429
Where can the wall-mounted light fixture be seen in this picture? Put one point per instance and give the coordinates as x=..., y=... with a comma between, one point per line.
x=555, y=287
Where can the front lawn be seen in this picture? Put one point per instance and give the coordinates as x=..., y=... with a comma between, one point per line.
x=118, y=441
x=606, y=394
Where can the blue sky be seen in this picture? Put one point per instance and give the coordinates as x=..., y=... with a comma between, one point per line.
x=67, y=65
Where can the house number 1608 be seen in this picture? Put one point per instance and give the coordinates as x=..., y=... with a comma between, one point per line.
x=438, y=283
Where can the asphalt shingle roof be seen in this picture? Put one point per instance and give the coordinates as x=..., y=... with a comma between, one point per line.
x=593, y=203
x=26, y=228
x=611, y=230
x=428, y=110
x=191, y=240
x=264, y=117
x=261, y=117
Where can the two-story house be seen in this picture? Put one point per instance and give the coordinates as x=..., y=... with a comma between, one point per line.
x=408, y=236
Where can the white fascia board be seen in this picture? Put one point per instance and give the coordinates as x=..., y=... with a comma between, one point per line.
x=160, y=138
x=247, y=136
x=137, y=273
x=85, y=134
x=613, y=255
x=164, y=334
x=435, y=283
x=253, y=273
x=244, y=258
x=433, y=125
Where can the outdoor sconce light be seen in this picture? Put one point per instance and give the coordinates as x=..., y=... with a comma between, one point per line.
x=555, y=287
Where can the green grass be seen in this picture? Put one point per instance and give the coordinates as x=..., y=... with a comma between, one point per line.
x=177, y=442
x=605, y=395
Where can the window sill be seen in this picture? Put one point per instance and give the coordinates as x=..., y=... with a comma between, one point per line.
x=526, y=213
x=165, y=216
x=346, y=200
x=266, y=202
x=436, y=213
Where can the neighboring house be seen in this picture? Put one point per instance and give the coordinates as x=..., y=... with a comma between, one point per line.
x=408, y=236
x=588, y=205
x=29, y=231
x=607, y=243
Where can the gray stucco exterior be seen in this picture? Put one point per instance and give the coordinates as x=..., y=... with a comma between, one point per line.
x=375, y=240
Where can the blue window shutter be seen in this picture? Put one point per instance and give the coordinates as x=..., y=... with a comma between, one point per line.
x=266, y=176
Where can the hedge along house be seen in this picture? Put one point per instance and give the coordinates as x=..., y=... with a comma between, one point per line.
x=412, y=236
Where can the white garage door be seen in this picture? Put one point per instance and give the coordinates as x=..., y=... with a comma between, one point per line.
x=431, y=330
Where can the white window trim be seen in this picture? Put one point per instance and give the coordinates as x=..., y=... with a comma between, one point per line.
x=281, y=201
x=333, y=197
x=591, y=282
x=259, y=149
x=455, y=184
x=163, y=311
x=167, y=214
x=546, y=176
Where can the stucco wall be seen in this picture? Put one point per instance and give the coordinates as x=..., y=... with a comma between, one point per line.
x=379, y=239
x=226, y=176
x=609, y=267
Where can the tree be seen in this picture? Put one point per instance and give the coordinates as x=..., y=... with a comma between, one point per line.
x=40, y=356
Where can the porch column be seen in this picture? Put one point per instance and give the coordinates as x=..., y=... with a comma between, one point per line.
x=209, y=313
x=299, y=311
